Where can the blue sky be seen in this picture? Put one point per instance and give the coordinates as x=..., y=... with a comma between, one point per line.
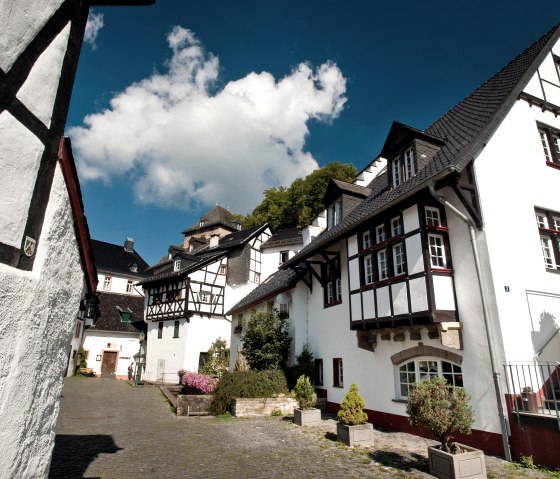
x=182, y=105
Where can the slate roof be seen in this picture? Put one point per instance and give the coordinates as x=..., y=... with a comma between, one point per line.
x=112, y=258
x=110, y=319
x=216, y=216
x=336, y=187
x=291, y=236
x=465, y=129
x=276, y=283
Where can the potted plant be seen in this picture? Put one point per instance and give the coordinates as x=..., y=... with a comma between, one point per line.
x=352, y=427
x=181, y=373
x=444, y=410
x=306, y=414
x=528, y=399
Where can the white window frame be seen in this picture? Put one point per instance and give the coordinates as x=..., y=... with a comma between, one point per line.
x=380, y=234
x=436, y=245
x=130, y=286
x=398, y=259
x=223, y=269
x=397, y=171
x=382, y=265
x=177, y=265
x=550, y=142
x=283, y=256
x=409, y=163
x=366, y=239
x=107, y=283
x=205, y=297
x=542, y=220
x=433, y=216
x=548, y=252
x=369, y=273
x=396, y=226
x=423, y=368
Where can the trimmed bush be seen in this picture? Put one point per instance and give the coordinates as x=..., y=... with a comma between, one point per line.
x=246, y=384
x=442, y=409
x=304, y=393
x=352, y=408
x=305, y=365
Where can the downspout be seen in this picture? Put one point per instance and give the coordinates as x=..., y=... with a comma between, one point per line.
x=489, y=337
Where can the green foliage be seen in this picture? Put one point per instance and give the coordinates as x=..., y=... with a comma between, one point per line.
x=304, y=393
x=441, y=409
x=304, y=365
x=352, y=408
x=266, y=342
x=218, y=359
x=296, y=206
x=246, y=384
x=527, y=461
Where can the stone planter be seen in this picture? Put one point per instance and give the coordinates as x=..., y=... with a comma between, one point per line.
x=193, y=405
x=359, y=435
x=307, y=417
x=470, y=463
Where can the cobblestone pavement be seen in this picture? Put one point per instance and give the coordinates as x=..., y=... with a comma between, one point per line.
x=109, y=429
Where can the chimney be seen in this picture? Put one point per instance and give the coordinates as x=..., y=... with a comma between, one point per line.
x=129, y=245
x=214, y=239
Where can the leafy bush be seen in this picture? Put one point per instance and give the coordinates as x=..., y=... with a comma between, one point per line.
x=246, y=384
x=304, y=365
x=440, y=408
x=352, y=408
x=266, y=342
x=201, y=382
x=304, y=393
x=218, y=359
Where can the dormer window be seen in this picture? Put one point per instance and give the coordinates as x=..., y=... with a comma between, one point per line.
x=202, y=223
x=409, y=164
x=403, y=167
x=177, y=265
x=334, y=213
x=133, y=267
x=397, y=166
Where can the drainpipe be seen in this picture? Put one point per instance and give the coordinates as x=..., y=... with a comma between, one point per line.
x=489, y=336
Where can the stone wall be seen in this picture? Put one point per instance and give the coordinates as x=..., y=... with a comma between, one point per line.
x=259, y=407
x=193, y=404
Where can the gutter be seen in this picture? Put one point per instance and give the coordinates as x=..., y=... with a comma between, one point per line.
x=489, y=335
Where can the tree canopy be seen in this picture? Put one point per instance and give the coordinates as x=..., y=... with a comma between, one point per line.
x=297, y=205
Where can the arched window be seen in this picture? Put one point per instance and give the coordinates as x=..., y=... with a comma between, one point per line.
x=420, y=369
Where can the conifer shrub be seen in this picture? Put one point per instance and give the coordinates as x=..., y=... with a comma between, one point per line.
x=304, y=393
x=305, y=365
x=352, y=408
x=442, y=409
x=246, y=384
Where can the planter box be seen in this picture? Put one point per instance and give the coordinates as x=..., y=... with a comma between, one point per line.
x=469, y=464
x=360, y=435
x=264, y=407
x=529, y=402
x=193, y=405
x=307, y=417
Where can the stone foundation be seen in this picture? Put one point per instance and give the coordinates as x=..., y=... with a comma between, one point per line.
x=262, y=407
x=193, y=404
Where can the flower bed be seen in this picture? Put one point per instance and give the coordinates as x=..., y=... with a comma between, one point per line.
x=196, y=383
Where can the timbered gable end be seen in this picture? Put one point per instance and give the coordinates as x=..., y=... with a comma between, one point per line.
x=400, y=271
x=202, y=292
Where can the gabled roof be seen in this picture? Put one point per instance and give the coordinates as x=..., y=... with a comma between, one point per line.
x=288, y=237
x=336, y=188
x=216, y=216
x=280, y=281
x=465, y=130
x=109, y=318
x=112, y=258
x=239, y=237
x=401, y=134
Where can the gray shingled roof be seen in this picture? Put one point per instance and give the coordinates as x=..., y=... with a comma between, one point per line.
x=110, y=319
x=291, y=236
x=216, y=216
x=276, y=283
x=465, y=130
x=113, y=258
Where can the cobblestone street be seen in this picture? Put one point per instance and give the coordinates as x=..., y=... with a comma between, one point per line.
x=108, y=429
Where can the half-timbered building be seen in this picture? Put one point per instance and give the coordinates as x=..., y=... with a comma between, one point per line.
x=448, y=267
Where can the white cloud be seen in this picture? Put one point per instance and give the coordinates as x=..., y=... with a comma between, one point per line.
x=179, y=144
x=93, y=26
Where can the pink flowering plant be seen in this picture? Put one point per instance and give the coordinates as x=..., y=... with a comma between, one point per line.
x=203, y=383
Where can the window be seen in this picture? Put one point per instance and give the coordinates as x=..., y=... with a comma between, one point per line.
x=283, y=256
x=177, y=265
x=396, y=226
x=107, y=283
x=426, y=368
x=366, y=239
x=257, y=278
x=331, y=281
x=129, y=286
x=202, y=223
x=550, y=140
x=202, y=359
x=223, y=269
x=91, y=307
x=409, y=164
x=205, y=297
x=284, y=310
x=318, y=372
x=78, y=329
x=338, y=378
x=548, y=223
x=397, y=166
x=437, y=251
x=398, y=259
x=368, y=270
x=432, y=216
x=160, y=330
x=380, y=235
x=176, y=329
x=382, y=266
x=334, y=213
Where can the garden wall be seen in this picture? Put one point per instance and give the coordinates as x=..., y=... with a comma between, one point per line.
x=259, y=407
x=193, y=404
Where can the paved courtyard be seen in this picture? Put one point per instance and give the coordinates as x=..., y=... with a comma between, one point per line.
x=108, y=429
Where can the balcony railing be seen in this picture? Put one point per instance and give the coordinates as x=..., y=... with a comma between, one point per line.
x=534, y=388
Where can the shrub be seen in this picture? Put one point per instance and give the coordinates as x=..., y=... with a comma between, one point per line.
x=304, y=393
x=201, y=382
x=246, y=384
x=304, y=366
x=352, y=408
x=440, y=408
x=266, y=342
x=218, y=359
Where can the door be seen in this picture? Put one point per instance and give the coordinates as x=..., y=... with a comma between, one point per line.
x=109, y=364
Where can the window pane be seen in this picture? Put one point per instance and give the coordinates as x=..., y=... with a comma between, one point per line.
x=409, y=163
x=382, y=264
x=432, y=217
x=396, y=226
x=398, y=258
x=397, y=172
x=380, y=233
x=544, y=142
x=437, y=251
x=541, y=220
x=368, y=270
x=546, y=245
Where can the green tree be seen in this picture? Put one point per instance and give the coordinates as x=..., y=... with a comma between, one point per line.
x=218, y=359
x=297, y=205
x=304, y=393
x=266, y=342
x=352, y=408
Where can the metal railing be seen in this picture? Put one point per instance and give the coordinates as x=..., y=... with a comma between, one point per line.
x=534, y=388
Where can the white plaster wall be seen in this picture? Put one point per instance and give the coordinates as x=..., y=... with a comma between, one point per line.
x=37, y=318
x=125, y=344
x=271, y=258
x=118, y=285
x=74, y=345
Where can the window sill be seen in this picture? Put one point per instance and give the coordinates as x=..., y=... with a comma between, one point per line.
x=553, y=165
x=334, y=303
x=403, y=401
x=339, y=387
x=553, y=270
x=445, y=271
x=442, y=229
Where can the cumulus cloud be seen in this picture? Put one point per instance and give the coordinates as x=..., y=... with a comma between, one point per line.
x=177, y=141
x=93, y=26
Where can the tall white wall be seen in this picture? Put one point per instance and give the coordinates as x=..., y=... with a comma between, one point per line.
x=126, y=345
x=37, y=318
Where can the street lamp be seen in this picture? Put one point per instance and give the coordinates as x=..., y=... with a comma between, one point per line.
x=141, y=338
